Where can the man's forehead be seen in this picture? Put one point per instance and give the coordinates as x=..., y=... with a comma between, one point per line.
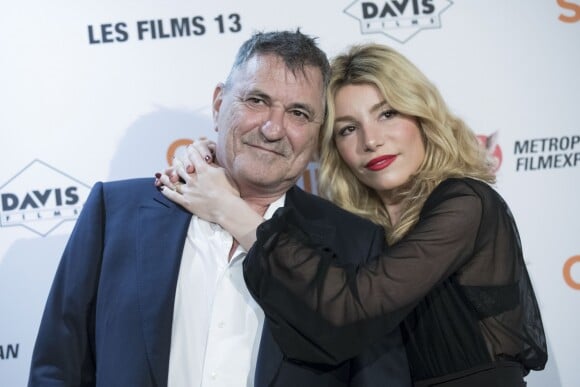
x=272, y=68
x=268, y=75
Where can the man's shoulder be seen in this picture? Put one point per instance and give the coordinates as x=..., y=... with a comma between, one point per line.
x=130, y=183
x=128, y=189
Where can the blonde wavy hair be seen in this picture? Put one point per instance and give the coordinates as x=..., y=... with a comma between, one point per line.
x=451, y=148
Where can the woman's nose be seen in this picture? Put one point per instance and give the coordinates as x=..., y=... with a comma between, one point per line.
x=372, y=140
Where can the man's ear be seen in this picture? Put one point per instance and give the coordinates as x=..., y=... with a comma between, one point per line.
x=218, y=95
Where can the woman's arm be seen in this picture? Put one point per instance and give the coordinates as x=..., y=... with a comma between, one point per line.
x=204, y=189
x=342, y=309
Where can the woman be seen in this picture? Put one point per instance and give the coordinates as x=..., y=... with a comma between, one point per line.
x=453, y=276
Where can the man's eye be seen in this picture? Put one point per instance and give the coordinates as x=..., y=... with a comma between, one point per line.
x=299, y=114
x=298, y=117
x=255, y=100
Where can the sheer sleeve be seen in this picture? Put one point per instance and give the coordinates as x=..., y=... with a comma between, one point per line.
x=460, y=272
x=327, y=313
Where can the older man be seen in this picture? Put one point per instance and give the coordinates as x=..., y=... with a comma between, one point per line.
x=148, y=295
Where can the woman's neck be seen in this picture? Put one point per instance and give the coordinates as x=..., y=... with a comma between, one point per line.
x=394, y=210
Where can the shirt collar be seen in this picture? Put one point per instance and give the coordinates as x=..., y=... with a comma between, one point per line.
x=274, y=206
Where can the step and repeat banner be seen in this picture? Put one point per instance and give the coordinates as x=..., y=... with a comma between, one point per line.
x=105, y=90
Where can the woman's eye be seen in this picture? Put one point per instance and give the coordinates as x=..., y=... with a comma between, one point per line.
x=345, y=131
x=389, y=113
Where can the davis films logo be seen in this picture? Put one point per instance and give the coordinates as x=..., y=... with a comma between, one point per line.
x=398, y=19
x=40, y=198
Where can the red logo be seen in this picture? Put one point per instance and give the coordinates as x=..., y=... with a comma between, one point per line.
x=492, y=148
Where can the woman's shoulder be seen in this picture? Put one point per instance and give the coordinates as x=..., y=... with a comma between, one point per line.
x=463, y=186
x=464, y=190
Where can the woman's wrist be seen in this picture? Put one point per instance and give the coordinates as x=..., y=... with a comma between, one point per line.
x=239, y=219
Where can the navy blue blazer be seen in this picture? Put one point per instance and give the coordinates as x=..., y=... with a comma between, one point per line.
x=108, y=316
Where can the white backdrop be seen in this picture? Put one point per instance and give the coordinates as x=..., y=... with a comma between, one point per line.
x=103, y=90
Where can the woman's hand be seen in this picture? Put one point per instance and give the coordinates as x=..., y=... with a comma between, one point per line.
x=197, y=184
x=203, y=188
x=205, y=148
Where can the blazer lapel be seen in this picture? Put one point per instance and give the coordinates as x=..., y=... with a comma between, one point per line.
x=161, y=235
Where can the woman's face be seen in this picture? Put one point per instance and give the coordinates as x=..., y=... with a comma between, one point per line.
x=382, y=147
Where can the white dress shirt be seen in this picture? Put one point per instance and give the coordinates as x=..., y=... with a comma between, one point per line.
x=217, y=325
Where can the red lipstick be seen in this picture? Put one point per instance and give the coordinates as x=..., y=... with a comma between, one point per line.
x=381, y=162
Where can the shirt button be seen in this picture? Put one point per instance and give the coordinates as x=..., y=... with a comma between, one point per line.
x=221, y=324
x=213, y=376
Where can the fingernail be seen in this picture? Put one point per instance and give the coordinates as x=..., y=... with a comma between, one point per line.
x=158, y=175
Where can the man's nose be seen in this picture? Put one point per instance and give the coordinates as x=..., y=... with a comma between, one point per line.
x=273, y=128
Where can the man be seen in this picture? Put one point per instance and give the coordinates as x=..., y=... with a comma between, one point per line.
x=147, y=295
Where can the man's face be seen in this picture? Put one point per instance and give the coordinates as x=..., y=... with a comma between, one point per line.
x=267, y=121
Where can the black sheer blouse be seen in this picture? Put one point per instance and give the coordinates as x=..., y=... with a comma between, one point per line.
x=457, y=284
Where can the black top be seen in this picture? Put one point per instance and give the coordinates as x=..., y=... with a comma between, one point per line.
x=457, y=282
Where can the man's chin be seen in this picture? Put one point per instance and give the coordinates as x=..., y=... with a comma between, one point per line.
x=267, y=181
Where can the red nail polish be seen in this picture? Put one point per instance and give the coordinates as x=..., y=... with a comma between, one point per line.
x=158, y=175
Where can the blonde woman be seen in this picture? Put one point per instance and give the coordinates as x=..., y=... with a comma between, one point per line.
x=453, y=277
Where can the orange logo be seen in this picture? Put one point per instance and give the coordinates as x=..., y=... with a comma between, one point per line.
x=569, y=6
x=174, y=146
x=567, y=272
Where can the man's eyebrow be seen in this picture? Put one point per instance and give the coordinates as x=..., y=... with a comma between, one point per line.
x=303, y=106
x=258, y=93
x=297, y=105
